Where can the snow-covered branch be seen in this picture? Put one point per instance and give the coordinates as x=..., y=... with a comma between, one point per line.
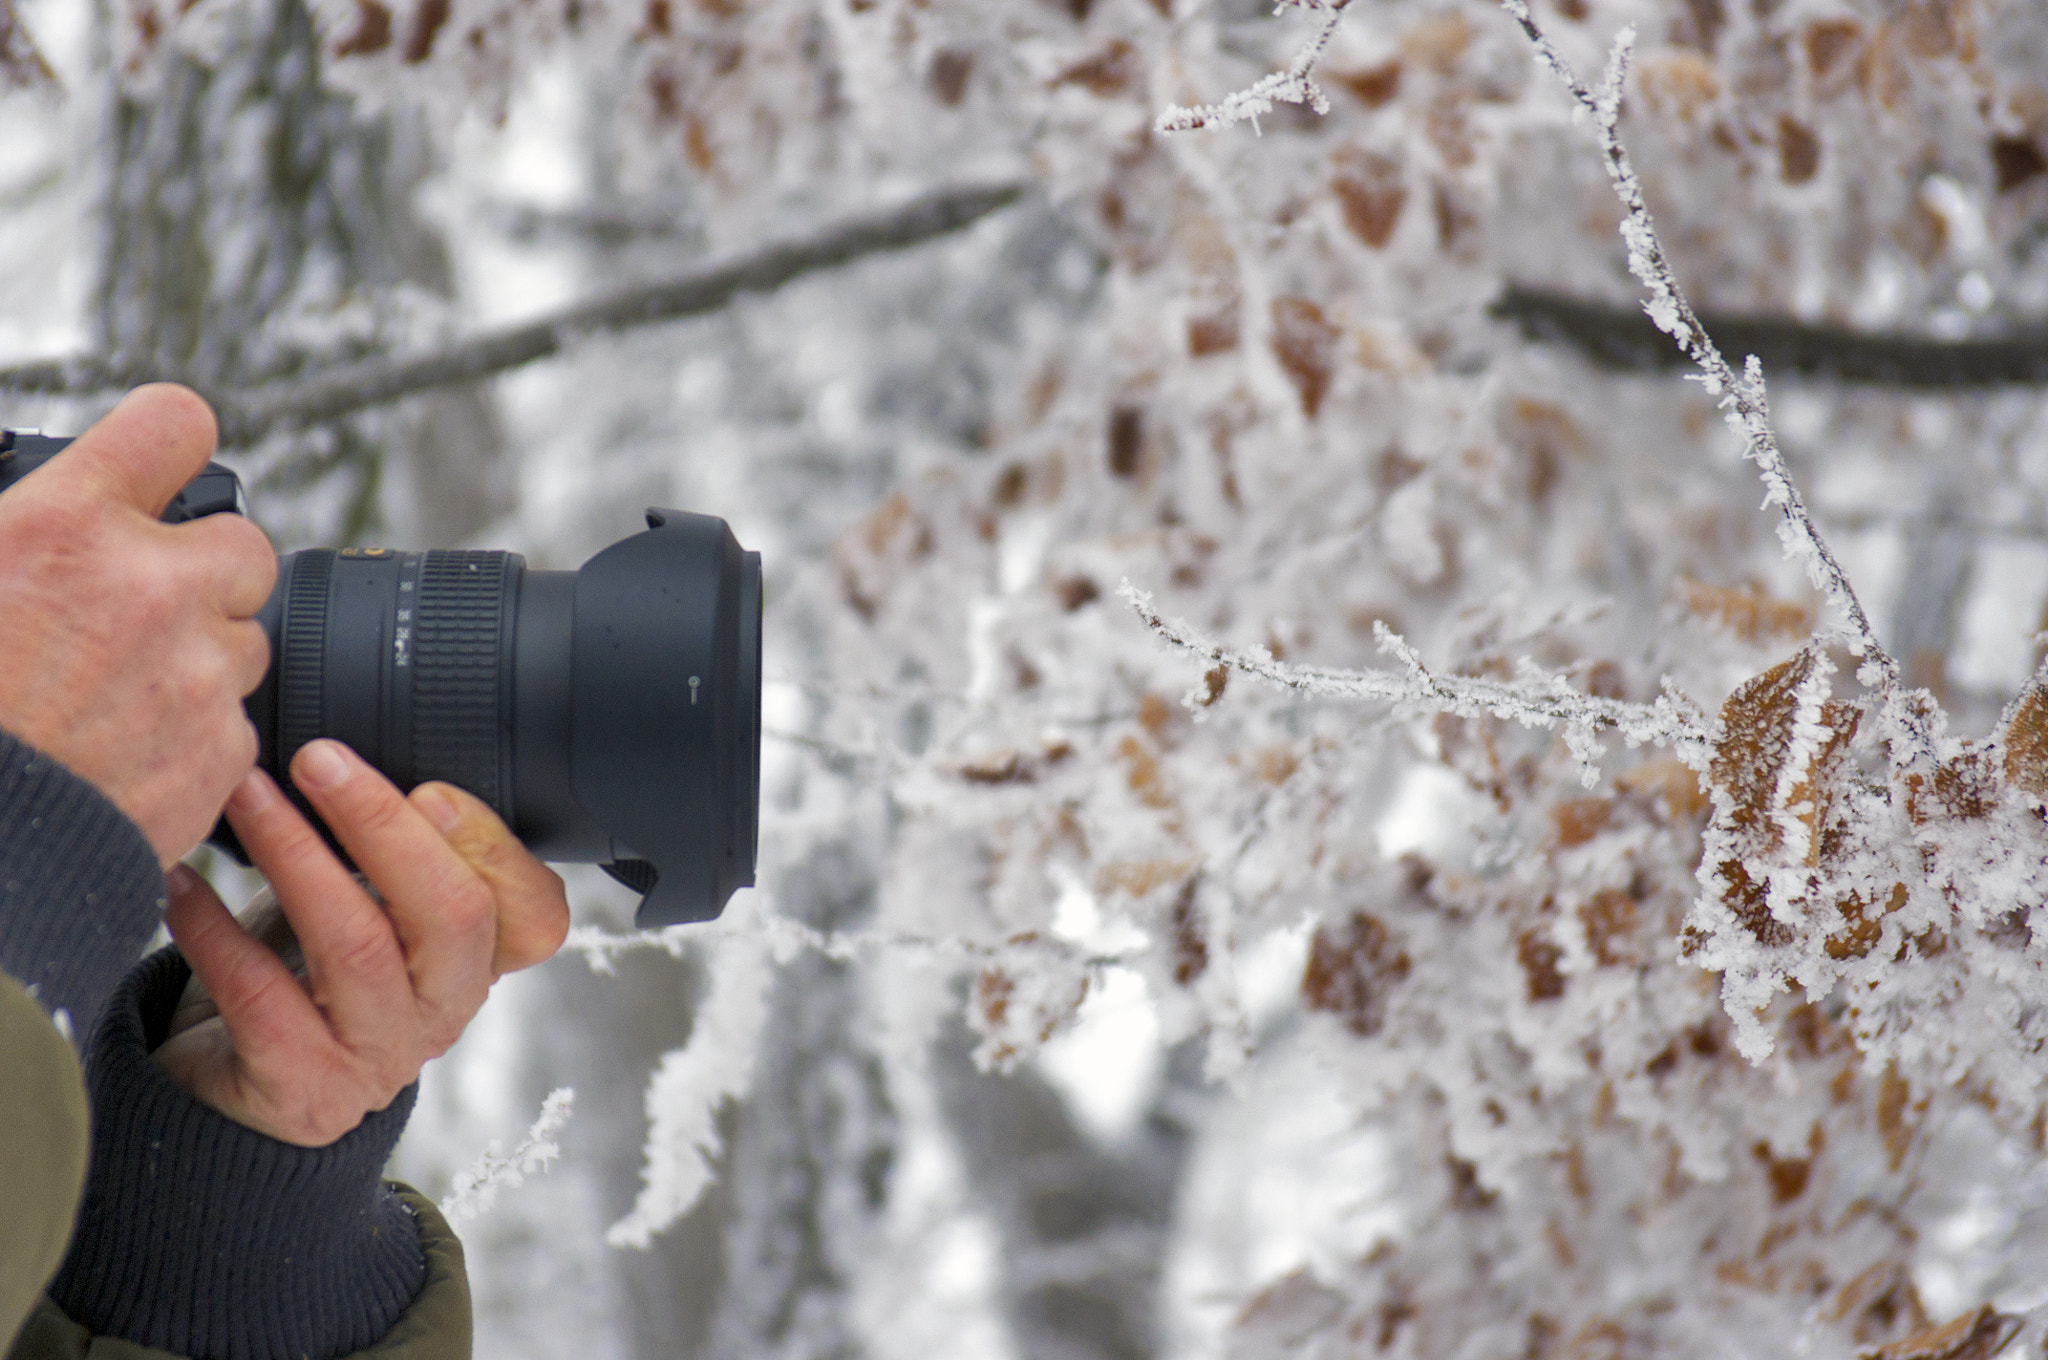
x=1545, y=701
x=1295, y=85
x=476, y=1189
x=342, y=389
x=1742, y=396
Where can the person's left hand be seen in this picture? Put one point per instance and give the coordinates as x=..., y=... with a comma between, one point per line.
x=386, y=987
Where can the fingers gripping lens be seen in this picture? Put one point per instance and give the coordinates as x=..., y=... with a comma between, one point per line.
x=610, y=715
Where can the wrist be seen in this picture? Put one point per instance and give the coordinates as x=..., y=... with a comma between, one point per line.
x=256, y=1247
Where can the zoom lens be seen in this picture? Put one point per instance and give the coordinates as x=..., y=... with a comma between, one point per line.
x=609, y=715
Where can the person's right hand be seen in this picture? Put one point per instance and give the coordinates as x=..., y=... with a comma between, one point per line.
x=126, y=644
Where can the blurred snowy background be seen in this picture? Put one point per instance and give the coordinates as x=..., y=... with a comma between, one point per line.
x=1073, y=1018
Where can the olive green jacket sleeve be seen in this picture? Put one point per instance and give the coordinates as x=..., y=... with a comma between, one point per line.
x=43, y=1142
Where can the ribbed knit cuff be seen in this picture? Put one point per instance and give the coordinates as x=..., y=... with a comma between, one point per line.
x=207, y=1239
x=80, y=889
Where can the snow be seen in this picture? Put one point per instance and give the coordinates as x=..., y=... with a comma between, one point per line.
x=1306, y=873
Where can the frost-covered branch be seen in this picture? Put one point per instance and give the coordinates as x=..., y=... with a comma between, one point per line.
x=1294, y=85
x=1623, y=338
x=343, y=389
x=1545, y=702
x=787, y=938
x=1742, y=397
x=476, y=1189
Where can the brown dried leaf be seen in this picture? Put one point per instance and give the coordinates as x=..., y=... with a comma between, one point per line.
x=1144, y=774
x=21, y=66
x=1678, y=83
x=1610, y=920
x=1371, y=190
x=1136, y=878
x=1748, y=612
x=1305, y=343
x=1798, y=151
x=2026, y=743
x=1880, y=1302
x=1373, y=86
x=1828, y=42
x=2017, y=161
x=1106, y=73
x=1973, y=1336
x=1014, y=767
x=1963, y=789
x=1190, y=936
x=1540, y=957
x=1581, y=819
x=1894, y=1097
x=1862, y=926
x=1756, y=729
x=1670, y=782
x=1351, y=969
x=1750, y=754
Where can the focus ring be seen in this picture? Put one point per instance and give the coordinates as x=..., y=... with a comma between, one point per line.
x=302, y=654
x=456, y=725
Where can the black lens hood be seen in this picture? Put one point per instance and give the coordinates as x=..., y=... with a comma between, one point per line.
x=665, y=714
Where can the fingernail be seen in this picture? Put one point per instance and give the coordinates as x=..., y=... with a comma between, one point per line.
x=321, y=765
x=439, y=807
x=181, y=879
x=251, y=795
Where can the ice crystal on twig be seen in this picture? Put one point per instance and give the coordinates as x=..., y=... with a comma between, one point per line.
x=1742, y=398
x=1547, y=702
x=476, y=1189
x=1295, y=85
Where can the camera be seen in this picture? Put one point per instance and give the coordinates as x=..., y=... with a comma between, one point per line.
x=610, y=715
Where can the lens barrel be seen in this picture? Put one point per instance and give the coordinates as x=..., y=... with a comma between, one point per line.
x=609, y=715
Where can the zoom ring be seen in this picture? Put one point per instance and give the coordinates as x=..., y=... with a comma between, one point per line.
x=301, y=663
x=456, y=648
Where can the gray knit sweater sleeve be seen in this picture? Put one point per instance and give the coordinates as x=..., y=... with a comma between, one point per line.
x=80, y=890
x=196, y=1235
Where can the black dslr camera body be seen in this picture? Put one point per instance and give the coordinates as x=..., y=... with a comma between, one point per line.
x=610, y=715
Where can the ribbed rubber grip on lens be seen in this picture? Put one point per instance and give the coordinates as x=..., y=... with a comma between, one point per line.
x=302, y=654
x=455, y=687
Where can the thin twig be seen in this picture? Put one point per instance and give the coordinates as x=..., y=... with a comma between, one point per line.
x=1742, y=397
x=1295, y=85
x=342, y=389
x=1549, y=703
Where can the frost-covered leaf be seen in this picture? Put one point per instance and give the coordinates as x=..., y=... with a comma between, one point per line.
x=2026, y=742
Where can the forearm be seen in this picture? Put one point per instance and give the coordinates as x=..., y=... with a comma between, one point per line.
x=80, y=890
x=201, y=1237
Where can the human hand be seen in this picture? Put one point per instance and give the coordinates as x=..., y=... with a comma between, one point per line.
x=126, y=644
x=386, y=988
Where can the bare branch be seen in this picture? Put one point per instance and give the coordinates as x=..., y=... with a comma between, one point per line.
x=80, y=373
x=608, y=224
x=1548, y=702
x=1623, y=338
x=1291, y=86
x=342, y=389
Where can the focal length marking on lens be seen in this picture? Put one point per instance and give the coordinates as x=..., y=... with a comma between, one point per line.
x=401, y=633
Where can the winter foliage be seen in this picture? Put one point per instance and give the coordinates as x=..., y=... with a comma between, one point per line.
x=1297, y=821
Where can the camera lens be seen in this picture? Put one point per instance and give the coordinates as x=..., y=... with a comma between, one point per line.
x=609, y=715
